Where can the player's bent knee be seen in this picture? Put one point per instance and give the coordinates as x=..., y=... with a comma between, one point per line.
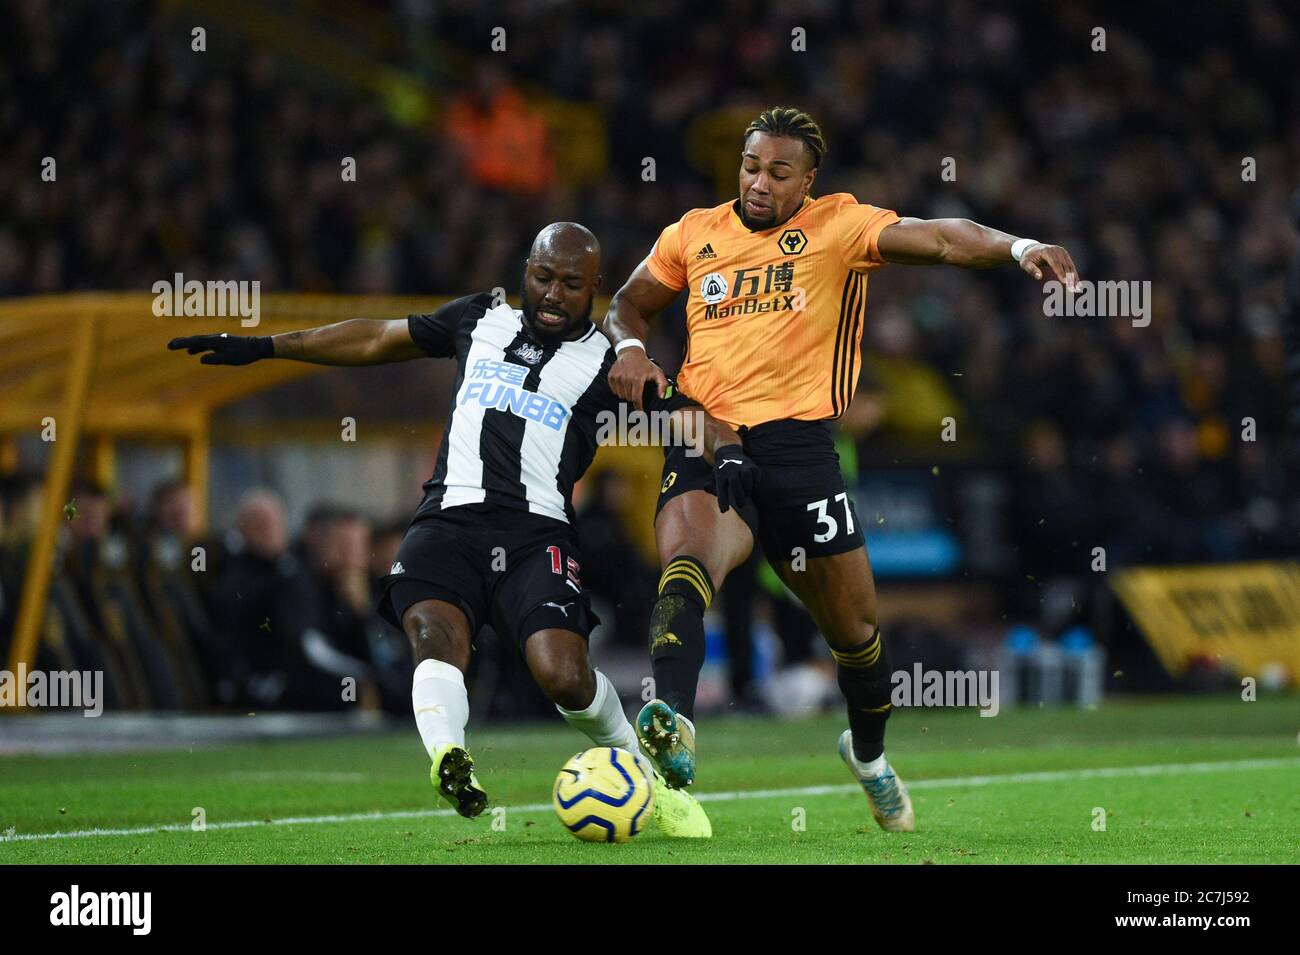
x=852, y=634
x=567, y=683
x=691, y=526
x=434, y=636
x=559, y=663
x=682, y=526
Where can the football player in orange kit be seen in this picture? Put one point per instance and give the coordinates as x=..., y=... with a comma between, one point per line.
x=777, y=284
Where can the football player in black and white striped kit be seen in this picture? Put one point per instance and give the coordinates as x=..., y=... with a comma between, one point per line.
x=493, y=540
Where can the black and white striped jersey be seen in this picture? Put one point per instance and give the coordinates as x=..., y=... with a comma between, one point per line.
x=523, y=422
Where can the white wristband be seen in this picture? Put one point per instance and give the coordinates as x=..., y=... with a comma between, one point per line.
x=1019, y=246
x=629, y=343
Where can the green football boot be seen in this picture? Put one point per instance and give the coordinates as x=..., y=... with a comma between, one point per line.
x=679, y=814
x=668, y=738
x=453, y=776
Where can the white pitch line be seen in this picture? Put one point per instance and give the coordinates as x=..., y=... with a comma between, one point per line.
x=306, y=776
x=1060, y=775
x=1048, y=776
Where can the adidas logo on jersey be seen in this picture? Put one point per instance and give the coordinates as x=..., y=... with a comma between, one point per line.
x=397, y=568
x=706, y=253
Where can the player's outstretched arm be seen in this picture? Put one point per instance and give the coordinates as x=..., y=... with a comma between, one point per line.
x=357, y=341
x=970, y=245
x=626, y=325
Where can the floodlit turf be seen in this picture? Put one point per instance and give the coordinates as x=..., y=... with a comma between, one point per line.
x=1197, y=780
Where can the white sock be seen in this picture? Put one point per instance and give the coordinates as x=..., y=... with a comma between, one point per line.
x=873, y=768
x=441, y=704
x=603, y=721
x=876, y=766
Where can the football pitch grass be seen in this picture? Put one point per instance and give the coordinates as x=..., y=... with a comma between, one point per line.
x=1204, y=780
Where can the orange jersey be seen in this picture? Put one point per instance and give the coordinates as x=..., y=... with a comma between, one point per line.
x=774, y=319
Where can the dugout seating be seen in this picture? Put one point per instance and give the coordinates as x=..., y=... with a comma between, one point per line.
x=166, y=664
x=69, y=636
x=69, y=640
x=101, y=599
x=173, y=603
x=130, y=610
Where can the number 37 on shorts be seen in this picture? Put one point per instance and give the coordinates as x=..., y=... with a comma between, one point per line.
x=828, y=526
x=819, y=528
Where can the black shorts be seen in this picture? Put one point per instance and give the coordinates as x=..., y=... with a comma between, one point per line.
x=502, y=566
x=801, y=504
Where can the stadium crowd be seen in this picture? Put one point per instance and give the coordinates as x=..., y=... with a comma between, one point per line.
x=1166, y=157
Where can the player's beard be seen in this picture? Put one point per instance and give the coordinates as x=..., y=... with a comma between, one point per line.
x=754, y=225
x=529, y=308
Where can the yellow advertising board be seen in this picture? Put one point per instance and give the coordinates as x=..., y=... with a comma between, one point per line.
x=1244, y=616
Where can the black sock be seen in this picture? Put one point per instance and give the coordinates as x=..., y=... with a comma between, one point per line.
x=863, y=675
x=677, y=632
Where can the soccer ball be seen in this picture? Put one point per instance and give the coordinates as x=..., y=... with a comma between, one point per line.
x=602, y=795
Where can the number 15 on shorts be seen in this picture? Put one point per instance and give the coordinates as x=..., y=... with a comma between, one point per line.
x=825, y=515
x=560, y=563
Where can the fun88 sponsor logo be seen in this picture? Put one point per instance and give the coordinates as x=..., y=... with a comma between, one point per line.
x=523, y=404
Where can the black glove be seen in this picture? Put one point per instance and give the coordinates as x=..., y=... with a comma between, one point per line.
x=226, y=349
x=734, y=476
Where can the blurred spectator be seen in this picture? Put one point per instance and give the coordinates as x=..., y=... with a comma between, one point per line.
x=502, y=143
x=247, y=597
x=390, y=651
x=315, y=525
x=322, y=640
x=171, y=511
x=169, y=528
x=89, y=516
x=612, y=568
